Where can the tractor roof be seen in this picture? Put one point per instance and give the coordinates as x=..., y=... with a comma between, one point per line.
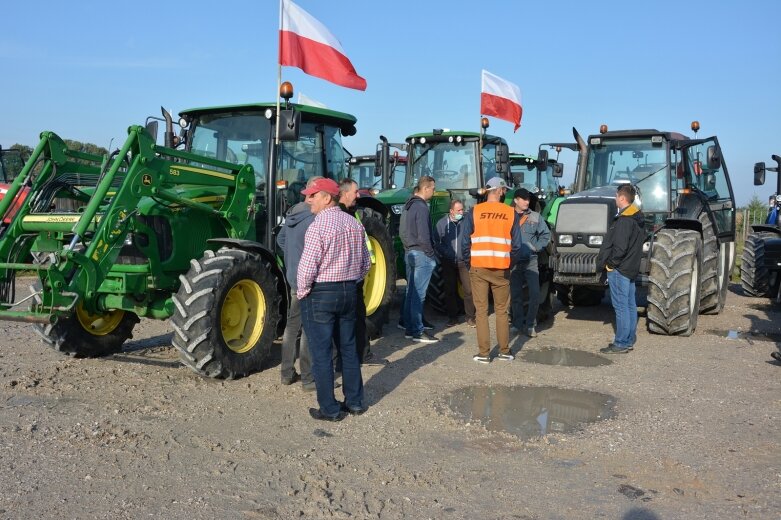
x=443, y=136
x=344, y=121
x=644, y=132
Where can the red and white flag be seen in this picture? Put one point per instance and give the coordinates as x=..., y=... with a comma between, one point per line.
x=306, y=43
x=501, y=99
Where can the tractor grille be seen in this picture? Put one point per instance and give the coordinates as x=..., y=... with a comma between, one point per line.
x=587, y=219
x=577, y=263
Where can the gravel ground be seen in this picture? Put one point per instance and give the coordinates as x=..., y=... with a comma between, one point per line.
x=694, y=431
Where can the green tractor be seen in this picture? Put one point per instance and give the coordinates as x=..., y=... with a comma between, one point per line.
x=686, y=196
x=540, y=177
x=374, y=176
x=182, y=231
x=460, y=163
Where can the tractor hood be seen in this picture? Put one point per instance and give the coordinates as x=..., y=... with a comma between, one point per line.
x=606, y=193
x=587, y=212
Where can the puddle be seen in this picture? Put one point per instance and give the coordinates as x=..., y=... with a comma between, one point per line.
x=750, y=336
x=530, y=412
x=566, y=357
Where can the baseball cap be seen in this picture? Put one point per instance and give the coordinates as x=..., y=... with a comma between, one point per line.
x=495, y=183
x=327, y=185
x=522, y=193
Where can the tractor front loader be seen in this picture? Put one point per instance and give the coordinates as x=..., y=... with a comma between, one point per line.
x=146, y=219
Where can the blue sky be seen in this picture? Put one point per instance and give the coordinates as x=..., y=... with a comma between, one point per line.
x=89, y=69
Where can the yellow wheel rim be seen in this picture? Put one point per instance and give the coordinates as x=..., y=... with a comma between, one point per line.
x=376, y=279
x=99, y=324
x=242, y=317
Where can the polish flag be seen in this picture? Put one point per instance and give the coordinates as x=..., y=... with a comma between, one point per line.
x=306, y=43
x=501, y=99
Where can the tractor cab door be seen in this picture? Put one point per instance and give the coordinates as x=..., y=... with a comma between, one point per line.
x=710, y=177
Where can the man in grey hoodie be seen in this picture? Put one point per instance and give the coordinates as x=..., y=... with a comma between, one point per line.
x=447, y=242
x=291, y=241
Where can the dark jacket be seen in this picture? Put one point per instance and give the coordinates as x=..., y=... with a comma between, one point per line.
x=415, y=226
x=622, y=247
x=447, y=239
x=291, y=239
x=536, y=233
x=518, y=253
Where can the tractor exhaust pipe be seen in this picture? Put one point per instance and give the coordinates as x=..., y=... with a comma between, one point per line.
x=580, y=173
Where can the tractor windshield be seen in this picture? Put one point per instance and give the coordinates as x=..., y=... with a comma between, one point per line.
x=235, y=137
x=637, y=161
x=11, y=163
x=452, y=165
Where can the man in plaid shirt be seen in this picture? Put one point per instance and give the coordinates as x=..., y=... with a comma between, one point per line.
x=334, y=260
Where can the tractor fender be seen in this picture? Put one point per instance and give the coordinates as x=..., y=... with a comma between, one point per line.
x=765, y=228
x=683, y=223
x=263, y=251
x=374, y=204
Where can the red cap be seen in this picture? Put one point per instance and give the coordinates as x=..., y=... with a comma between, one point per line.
x=327, y=185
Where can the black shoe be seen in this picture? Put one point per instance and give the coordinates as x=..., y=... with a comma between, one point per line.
x=353, y=411
x=290, y=380
x=612, y=349
x=427, y=325
x=315, y=413
x=425, y=337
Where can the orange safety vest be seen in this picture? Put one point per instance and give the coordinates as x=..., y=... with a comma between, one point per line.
x=492, y=237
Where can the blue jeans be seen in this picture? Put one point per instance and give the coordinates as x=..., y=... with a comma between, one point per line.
x=622, y=295
x=330, y=303
x=527, y=273
x=419, y=269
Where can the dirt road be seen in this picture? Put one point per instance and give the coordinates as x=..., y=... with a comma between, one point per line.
x=693, y=431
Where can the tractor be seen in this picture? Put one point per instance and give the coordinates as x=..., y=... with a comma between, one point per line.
x=374, y=175
x=760, y=263
x=11, y=162
x=460, y=163
x=686, y=196
x=182, y=231
x=540, y=177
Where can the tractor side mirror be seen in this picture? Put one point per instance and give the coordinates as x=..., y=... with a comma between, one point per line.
x=502, y=158
x=152, y=128
x=558, y=170
x=714, y=158
x=542, y=160
x=289, y=122
x=759, y=174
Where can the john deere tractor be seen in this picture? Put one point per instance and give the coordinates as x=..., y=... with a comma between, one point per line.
x=459, y=162
x=182, y=231
x=373, y=174
x=686, y=197
x=540, y=177
x=760, y=263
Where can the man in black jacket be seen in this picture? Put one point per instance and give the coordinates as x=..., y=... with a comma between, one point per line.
x=415, y=234
x=620, y=256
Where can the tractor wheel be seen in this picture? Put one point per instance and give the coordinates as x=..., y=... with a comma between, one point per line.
x=380, y=284
x=435, y=294
x=83, y=334
x=754, y=276
x=545, y=311
x=579, y=296
x=711, y=283
x=226, y=313
x=674, y=282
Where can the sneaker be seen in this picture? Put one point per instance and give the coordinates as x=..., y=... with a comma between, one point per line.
x=316, y=414
x=427, y=325
x=290, y=380
x=482, y=359
x=612, y=349
x=425, y=337
x=452, y=323
x=309, y=387
x=531, y=332
x=514, y=331
x=505, y=357
x=471, y=323
x=401, y=326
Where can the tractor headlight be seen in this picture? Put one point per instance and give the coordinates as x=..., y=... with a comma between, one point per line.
x=595, y=240
x=565, y=240
x=397, y=208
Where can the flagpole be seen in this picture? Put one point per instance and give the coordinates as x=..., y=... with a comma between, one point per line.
x=279, y=71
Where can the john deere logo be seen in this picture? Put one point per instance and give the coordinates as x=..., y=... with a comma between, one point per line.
x=146, y=180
